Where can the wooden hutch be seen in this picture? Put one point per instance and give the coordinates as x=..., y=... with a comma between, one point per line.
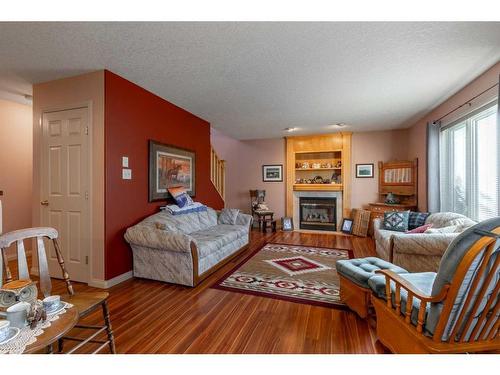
x=400, y=179
x=319, y=163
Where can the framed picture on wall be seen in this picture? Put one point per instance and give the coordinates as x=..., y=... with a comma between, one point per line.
x=364, y=170
x=272, y=173
x=170, y=166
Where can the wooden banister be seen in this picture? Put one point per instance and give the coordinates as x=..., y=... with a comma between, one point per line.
x=218, y=173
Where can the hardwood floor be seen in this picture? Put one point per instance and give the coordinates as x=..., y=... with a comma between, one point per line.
x=155, y=317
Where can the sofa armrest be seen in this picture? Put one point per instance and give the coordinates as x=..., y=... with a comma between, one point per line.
x=244, y=219
x=149, y=236
x=434, y=244
x=377, y=223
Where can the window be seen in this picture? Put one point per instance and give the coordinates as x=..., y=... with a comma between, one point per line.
x=469, y=171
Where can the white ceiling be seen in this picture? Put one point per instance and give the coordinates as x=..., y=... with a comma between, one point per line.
x=252, y=80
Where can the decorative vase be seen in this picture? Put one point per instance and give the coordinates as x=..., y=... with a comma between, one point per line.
x=391, y=199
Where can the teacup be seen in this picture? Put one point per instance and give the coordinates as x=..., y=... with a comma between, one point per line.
x=17, y=314
x=4, y=329
x=51, y=302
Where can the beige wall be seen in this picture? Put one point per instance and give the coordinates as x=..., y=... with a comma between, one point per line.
x=370, y=148
x=244, y=160
x=83, y=90
x=16, y=164
x=417, y=132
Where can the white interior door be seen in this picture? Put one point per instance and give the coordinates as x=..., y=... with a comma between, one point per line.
x=65, y=188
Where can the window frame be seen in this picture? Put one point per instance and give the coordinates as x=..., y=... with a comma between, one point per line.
x=447, y=162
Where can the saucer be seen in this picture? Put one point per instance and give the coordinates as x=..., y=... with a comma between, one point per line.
x=13, y=332
x=56, y=309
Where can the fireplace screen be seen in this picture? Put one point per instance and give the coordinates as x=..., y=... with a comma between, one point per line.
x=318, y=213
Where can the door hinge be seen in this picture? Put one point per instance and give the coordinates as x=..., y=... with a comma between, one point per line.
x=86, y=130
x=87, y=195
x=87, y=259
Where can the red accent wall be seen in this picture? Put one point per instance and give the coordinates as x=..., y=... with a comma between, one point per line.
x=132, y=117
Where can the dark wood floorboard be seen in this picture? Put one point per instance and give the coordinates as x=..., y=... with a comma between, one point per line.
x=156, y=317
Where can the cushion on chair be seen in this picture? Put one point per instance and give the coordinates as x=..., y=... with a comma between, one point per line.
x=263, y=212
x=228, y=216
x=455, y=253
x=423, y=281
x=417, y=219
x=360, y=270
x=212, y=239
x=396, y=221
x=421, y=229
x=445, y=219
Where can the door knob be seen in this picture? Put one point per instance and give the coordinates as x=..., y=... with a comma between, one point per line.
x=44, y=203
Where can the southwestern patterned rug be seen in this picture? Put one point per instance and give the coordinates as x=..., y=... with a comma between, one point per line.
x=294, y=273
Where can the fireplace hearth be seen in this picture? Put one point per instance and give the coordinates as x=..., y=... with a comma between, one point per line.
x=318, y=213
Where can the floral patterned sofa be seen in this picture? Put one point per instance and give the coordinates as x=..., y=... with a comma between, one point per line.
x=420, y=252
x=184, y=249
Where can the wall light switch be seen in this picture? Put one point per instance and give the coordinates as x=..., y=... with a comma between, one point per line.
x=125, y=161
x=126, y=174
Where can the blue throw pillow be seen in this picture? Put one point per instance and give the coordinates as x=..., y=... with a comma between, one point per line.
x=180, y=196
x=417, y=219
x=396, y=221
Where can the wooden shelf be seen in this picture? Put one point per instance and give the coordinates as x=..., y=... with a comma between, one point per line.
x=319, y=187
x=318, y=151
x=317, y=169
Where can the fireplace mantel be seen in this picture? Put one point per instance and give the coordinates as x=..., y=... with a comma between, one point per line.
x=331, y=155
x=316, y=194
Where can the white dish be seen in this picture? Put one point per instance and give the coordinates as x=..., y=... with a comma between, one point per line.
x=13, y=332
x=55, y=310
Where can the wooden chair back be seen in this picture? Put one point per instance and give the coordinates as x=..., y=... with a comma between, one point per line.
x=470, y=312
x=461, y=314
x=256, y=196
x=37, y=234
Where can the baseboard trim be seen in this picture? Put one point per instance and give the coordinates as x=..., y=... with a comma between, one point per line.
x=105, y=284
x=101, y=284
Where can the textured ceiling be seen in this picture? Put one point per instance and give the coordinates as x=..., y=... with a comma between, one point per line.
x=251, y=80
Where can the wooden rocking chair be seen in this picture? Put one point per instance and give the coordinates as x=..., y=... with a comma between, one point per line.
x=454, y=311
x=84, y=302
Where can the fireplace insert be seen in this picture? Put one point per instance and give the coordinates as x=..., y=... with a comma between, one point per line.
x=318, y=213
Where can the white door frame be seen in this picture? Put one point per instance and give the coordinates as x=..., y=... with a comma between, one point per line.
x=46, y=110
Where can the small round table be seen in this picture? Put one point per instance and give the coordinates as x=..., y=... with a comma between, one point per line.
x=57, y=329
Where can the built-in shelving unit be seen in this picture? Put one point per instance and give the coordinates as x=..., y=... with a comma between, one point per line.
x=319, y=163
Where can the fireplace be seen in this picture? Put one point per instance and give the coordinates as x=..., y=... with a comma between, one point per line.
x=318, y=213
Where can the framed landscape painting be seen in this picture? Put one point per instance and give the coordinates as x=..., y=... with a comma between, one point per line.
x=364, y=170
x=272, y=173
x=170, y=166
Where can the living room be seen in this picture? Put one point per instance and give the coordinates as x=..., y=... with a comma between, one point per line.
x=250, y=188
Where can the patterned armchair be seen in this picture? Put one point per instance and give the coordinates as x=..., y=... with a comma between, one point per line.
x=455, y=310
x=423, y=251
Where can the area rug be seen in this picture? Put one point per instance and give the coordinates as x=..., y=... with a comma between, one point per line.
x=294, y=273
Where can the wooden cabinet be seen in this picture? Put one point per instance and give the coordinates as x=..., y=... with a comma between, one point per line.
x=398, y=179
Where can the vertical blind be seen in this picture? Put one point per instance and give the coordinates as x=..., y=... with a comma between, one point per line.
x=469, y=164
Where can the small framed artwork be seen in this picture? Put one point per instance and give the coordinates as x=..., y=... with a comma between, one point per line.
x=347, y=226
x=272, y=173
x=364, y=170
x=170, y=166
x=286, y=224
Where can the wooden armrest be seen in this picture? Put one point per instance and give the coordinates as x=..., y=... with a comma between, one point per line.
x=405, y=284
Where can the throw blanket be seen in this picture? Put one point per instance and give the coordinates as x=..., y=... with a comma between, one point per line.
x=176, y=210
